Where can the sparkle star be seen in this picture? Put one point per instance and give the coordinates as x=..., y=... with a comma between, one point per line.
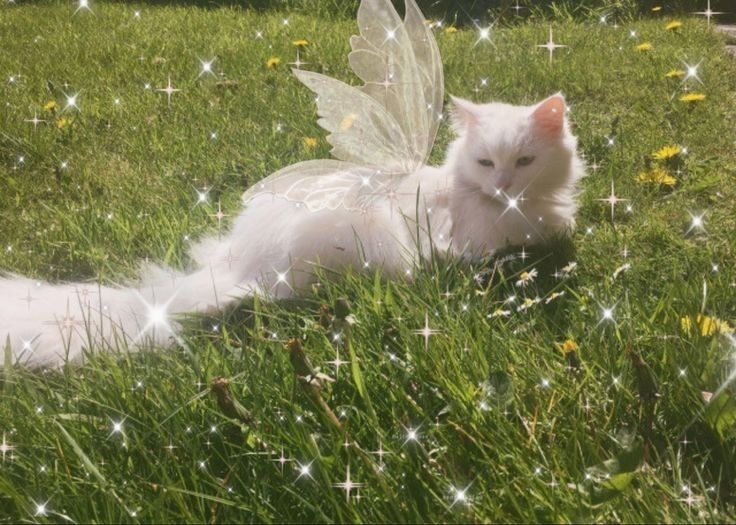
x=5, y=447
x=305, y=470
x=282, y=460
x=412, y=434
x=298, y=62
x=83, y=5
x=612, y=199
x=426, y=331
x=337, y=363
x=219, y=215
x=551, y=46
x=691, y=71
x=607, y=314
x=117, y=427
x=459, y=496
x=40, y=508
x=28, y=299
x=282, y=278
x=157, y=318
x=697, y=223
x=35, y=120
x=380, y=452
x=71, y=101
x=206, y=67
x=484, y=34
x=169, y=90
x=348, y=485
x=708, y=13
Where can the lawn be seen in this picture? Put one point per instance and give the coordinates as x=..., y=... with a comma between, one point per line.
x=608, y=399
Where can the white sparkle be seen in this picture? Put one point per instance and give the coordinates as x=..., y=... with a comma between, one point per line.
x=5, y=447
x=697, y=222
x=426, y=331
x=612, y=199
x=551, y=46
x=412, y=434
x=305, y=470
x=708, y=13
x=484, y=34
x=206, y=67
x=83, y=5
x=169, y=90
x=71, y=101
x=691, y=71
x=348, y=485
x=41, y=509
x=35, y=121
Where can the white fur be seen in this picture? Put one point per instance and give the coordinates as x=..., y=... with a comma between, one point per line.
x=273, y=237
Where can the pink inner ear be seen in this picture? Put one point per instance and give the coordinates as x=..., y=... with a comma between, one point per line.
x=549, y=117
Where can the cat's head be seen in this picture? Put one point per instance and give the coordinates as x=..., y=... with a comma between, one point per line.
x=507, y=151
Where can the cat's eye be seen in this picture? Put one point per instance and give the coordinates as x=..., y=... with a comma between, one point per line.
x=525, y=160
x=486, y=162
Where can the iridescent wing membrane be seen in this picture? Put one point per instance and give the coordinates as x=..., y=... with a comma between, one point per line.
x=380, y=131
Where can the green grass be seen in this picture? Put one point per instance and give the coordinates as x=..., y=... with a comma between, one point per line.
x=534, y=434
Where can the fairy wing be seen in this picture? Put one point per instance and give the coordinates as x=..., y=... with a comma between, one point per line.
x=326, y=184
x=391, y=121
x=381, y=130
x=402, y=70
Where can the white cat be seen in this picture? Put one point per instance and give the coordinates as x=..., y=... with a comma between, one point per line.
x=508, y=178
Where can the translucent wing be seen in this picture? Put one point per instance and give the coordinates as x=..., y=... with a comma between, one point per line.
x=380, y=131
x=390, y=123
x=326, y=184
x=361, y=130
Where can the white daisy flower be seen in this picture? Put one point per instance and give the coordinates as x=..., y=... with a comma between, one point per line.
x=527, y=277
x=528, y=303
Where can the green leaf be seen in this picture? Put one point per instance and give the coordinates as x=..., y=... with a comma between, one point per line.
x=614, y=475
x=357, y=375
x=618, y=482
x=720, y=414
x=8, y=368
x=88, y=465
x=358, y=379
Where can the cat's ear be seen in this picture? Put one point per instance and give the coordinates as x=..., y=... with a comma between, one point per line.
x=464, y=114
x=549, y=116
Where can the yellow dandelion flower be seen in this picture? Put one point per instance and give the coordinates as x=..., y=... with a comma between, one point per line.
x=656, y=8
x=675, y=24
x=667, y=152
x=568, y=346
x=450, y=29
x=675, y=73
x=50, y=106
x=309, y=142
x=692, y=97
x=273, y=62
x=708, y=325
x=63, y=122
x=644, y=46
x=301, y=42
x=656, y=176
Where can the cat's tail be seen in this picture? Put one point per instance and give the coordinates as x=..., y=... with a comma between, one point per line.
x=46, y=324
